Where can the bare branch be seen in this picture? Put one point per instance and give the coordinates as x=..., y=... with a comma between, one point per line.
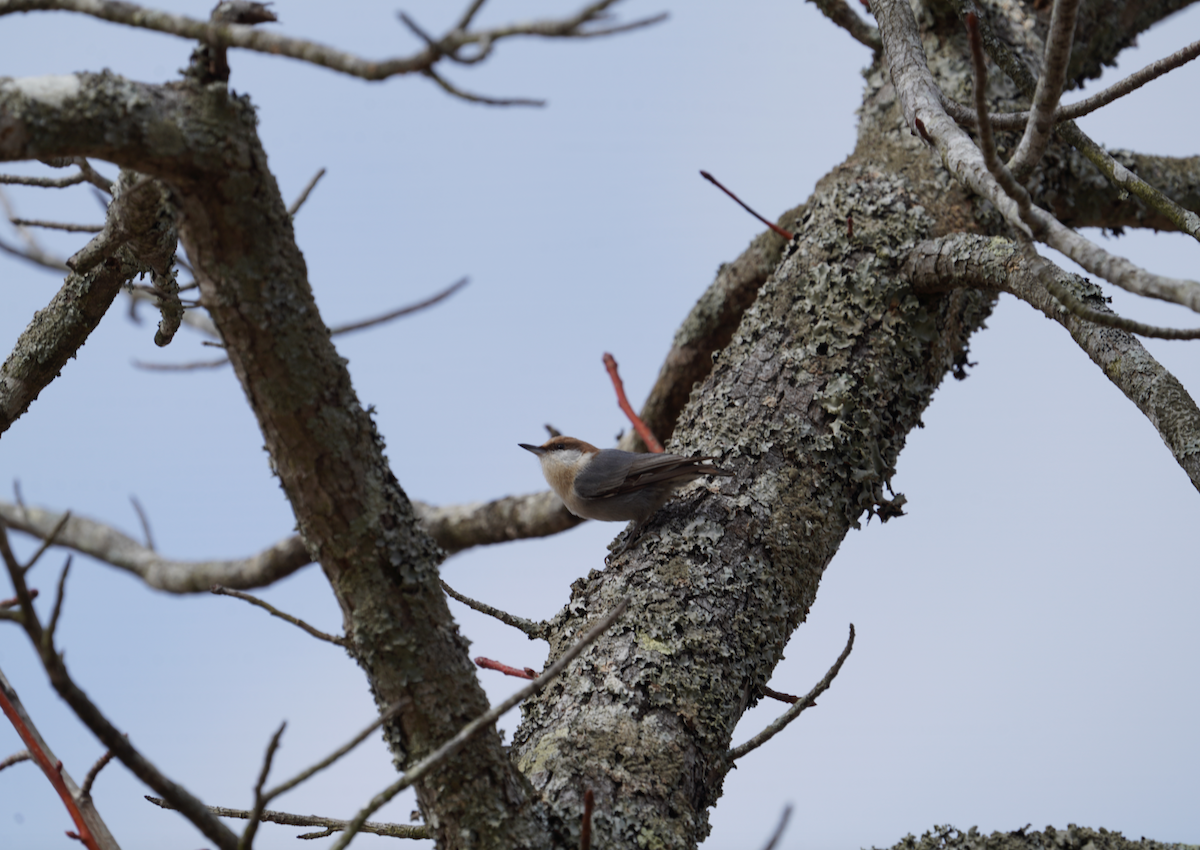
x=220, y=34
x=260, y=802
x=840, y=13
x=534, y=629
x=1049, y=89
x=205, y=324
x=271, y=609
x=1016, y=120
x=458, y=527
x=417, y=771
x=57, y=225
x=308, y=773
x=331, y=825
x=921, y=101
x=36, y=256
x=190, y=366
x=451, y=89
x=42, y=182
x=999, y=265
x=1120, y=177
x=52, y=626
x=797, y=708
x=778, y=833
x=16, y=758
x=299, y=202
x=100, y=726
x=90, y=779
x=455, y=527
x=111, y=546
x=1109, y=319
x=403, y=311
x=145, y=521
x=140, y=233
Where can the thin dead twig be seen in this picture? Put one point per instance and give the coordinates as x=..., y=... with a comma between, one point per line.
x=792, y=713
x=331, y=825
x=535, y=629
x=299, y=202
x=343, y=642
x=417, y=771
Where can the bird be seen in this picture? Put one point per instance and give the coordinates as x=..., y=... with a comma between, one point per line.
x=612, y=485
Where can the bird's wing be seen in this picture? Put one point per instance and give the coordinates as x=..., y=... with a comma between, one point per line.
x=613, y=473
x=604, y=475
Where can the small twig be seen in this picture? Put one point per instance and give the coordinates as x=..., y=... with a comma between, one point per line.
x=13, y=602
x=90, y=779
x=1049, y=89
x=57, y=225
x=180, y=367
x=145, y=521
x=773, y=694
x=403, y=311
x=260, y=801
x=778, y=834
x=394, y=830
x=840, y=13
x=299, y=202
x=648, y=438
x=797, y=708
x=93, y=176
x=451, y=89
x=1107, y=319
x=987, y=142
x=535, y=629
x=16, y=758
x=42, y=182
x=451, y=747
x=585, y=826
x=52, y=626
x=48, y=541
x=221, y=590
x=774, y=227
x=518, y=672
x=334, y=756
x=1016, y=120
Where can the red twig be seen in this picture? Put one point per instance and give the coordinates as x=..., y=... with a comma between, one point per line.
x=15, y=601
x=585, y=828
x=638, y=425
x=489, y=664
x=774, y=227
x=52, y=771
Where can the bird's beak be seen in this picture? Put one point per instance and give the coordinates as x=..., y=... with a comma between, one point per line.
x=537, y=450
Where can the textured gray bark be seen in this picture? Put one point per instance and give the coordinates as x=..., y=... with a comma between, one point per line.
x=815, y=360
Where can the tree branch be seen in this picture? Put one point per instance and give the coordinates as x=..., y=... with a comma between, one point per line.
x=920, y=99
x=999, y=265
x=448, y=749
x=219, y=34
x=331, y=825
x=139, y=236
x=797, y=708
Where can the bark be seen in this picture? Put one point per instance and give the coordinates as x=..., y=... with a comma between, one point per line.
x=352, y=514
x=815, y=360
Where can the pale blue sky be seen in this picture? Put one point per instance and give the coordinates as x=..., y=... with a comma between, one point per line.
x=1027, y=637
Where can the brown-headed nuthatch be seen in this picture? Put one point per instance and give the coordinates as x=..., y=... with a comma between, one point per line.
x=612, y=485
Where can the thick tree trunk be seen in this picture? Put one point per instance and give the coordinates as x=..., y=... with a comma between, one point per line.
x=809, y=402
